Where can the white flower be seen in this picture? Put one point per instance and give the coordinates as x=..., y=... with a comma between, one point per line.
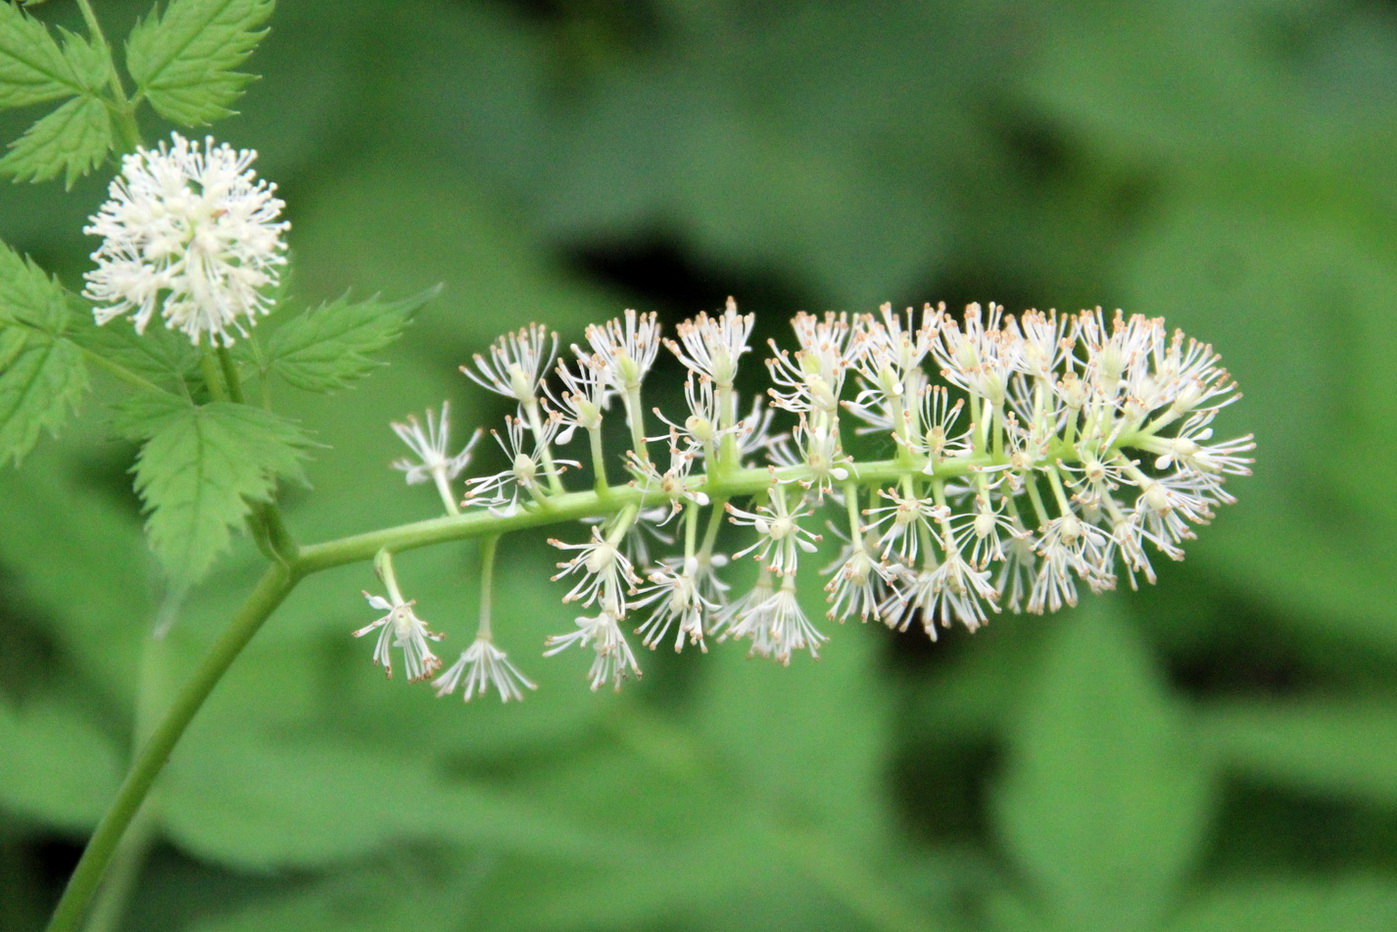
x=712, y=345
x=583, y=399
x=518, y=362
x=675, y=593
x=401, y=628
x=625, y=348
x=858, y=585
x=606, y=572
x=483, y=665
x=614, y=660
x=430, y=446
x=814, y=377
x=526, y=469
x=777, y=627
x=817, y=450
x=191, y=232
x=780, y=536
x=951, y=591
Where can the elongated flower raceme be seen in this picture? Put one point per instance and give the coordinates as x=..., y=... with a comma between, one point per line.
x=189, y=231
x=1014, y=461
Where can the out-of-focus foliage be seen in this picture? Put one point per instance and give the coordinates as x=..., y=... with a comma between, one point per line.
x=1215, y=752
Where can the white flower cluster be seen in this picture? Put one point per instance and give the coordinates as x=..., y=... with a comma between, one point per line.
x=192, y=232
x=1054, y=452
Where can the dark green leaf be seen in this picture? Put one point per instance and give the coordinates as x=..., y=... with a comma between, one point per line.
x=201, y=468
x=183, y=60
x=39, y=387
x=28, y=297
x=71, y=141
x=328, y=347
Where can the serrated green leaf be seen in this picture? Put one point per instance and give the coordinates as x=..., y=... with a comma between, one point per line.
x=87, y=62
x=183, y=60
x=39, y=388
x=160, y=356
x=32, y=66
x=330, y=346
x=141, y=416
x=200, y=469
x=71, y=141
x=28, y=297
x=1104, y=803
x=41, y=371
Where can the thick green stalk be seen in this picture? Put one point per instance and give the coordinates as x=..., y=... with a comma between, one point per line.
x=274, y=586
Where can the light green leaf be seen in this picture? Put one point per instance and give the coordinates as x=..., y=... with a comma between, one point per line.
x=71, y=141
x=41, y=371
x=258, y=799
x=95, y=617
x=59, y=767
x=183, y=60
x=32, y=66
x=330, y=346
x=391, y=890
x=161, y=356
x=1338, y=749
x=29, y=297
x=1104, y=803
x=87, y=62
x=1354, y=904
x=40, y=385
x=200, y=469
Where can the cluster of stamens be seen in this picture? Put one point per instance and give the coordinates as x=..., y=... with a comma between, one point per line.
x=1054, y=452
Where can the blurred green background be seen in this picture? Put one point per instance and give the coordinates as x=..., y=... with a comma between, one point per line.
x=1217, y=752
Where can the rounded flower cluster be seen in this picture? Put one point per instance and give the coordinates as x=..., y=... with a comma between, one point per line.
x=192, y=232
x=1012, y=461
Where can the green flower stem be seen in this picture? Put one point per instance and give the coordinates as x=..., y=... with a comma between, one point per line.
x=295, y=564
x=213, y=377
x=230, y=374
x=487, y=582
x=274, y=586
x=266, y=524
x=114, y=893
x=598, y=461
x=122, y=107
x=153, y=694
x=572, y=506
